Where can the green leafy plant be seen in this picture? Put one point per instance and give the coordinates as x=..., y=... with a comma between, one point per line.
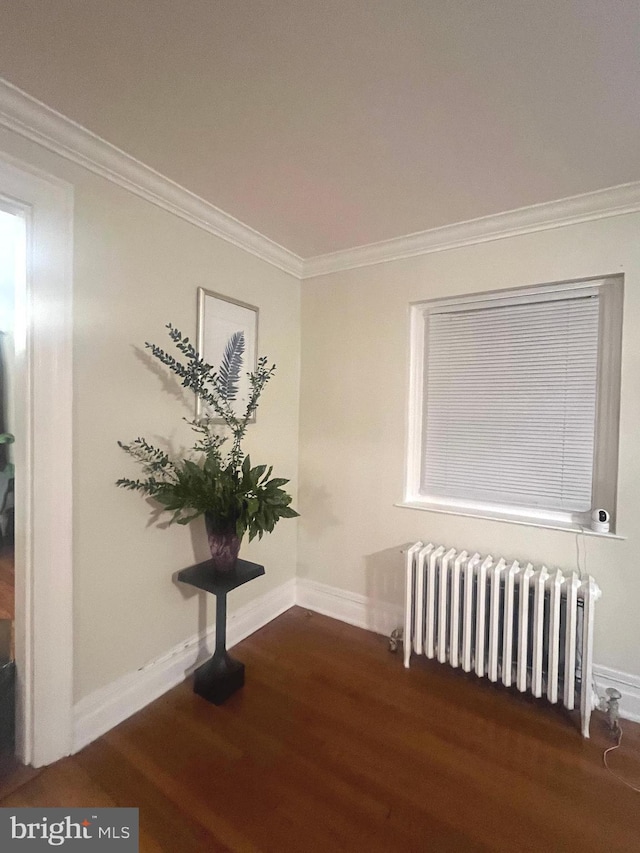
x=222, y=484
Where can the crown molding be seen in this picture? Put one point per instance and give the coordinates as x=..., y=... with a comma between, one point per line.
x=36, y=121
x=600, y=204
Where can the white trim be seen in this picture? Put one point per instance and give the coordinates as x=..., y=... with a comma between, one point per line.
x=627, y=684
x=414, y=408
x=527, y=521
x=613, y=201
x=381, y=617
x=44, y=456
x=107, y=707
x=36, y=121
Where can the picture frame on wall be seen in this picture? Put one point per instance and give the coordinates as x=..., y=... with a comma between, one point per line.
x=219, y=317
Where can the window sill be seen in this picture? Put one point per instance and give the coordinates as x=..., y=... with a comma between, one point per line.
x=526, y=522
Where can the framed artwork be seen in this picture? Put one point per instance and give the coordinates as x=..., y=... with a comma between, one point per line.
x=219, y=318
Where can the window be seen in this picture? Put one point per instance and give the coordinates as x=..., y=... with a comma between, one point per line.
x=514, y=402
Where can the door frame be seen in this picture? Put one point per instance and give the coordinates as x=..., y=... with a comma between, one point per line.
x=43, y=497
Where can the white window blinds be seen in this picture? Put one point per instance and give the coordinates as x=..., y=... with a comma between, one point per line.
x=510, y=402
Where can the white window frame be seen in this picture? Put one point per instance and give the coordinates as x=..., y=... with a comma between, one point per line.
x=605, y=468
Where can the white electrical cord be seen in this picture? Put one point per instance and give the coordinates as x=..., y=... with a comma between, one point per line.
x=584, y=550
x=618, y=732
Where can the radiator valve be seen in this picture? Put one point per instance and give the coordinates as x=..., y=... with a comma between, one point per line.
x=395, y=638
x=613, y=708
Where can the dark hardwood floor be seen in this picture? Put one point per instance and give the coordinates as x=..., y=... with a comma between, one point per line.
x=333, y=745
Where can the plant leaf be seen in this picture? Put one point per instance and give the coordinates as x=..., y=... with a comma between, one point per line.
x=287, y=512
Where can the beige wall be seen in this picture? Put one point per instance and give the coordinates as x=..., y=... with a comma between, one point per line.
x=136, y=268
x=352, y=432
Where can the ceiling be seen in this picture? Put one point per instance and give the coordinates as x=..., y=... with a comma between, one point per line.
x=329, y=124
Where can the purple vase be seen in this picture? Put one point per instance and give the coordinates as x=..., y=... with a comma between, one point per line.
x=223, y=544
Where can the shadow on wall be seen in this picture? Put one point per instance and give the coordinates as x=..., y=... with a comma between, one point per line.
x=168, y=381
x=385, y=579
x=316, y=517
x=201, y=553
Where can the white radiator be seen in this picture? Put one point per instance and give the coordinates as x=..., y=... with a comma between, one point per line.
x=523, y=627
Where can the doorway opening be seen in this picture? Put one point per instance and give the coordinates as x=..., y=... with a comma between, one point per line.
x=12, y=286
x=40, y=212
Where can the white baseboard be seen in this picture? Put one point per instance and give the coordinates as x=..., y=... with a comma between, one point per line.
x=107, y=707
x=359, y=610
x=627, y=684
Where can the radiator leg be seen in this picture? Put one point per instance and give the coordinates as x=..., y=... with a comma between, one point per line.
x=406, y=646
x=613, y=708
